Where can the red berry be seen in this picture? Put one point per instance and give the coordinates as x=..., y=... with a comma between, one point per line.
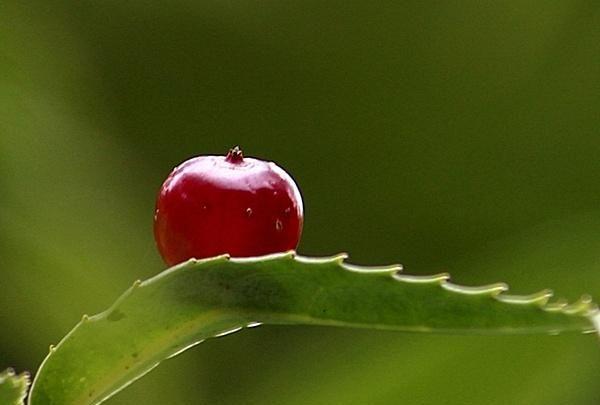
x=210, y=205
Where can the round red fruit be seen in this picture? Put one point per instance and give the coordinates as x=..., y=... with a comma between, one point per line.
x=211, y=205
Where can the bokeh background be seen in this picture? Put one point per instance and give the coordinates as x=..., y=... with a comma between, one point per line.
x=448, y=136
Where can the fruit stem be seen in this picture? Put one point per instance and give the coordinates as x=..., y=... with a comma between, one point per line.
x=235, y=155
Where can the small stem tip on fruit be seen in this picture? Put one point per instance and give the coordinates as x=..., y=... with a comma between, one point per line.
x=235, y=155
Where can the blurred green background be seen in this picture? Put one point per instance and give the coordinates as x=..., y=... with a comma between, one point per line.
x=449, y=136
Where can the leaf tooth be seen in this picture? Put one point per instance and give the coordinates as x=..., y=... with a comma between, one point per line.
x=340, y=258
x=290, y=254
x=287, y=255
x=539, y=298
x=491, y=289
x=391, y=270
x=433, y=278
x=9, y=372
x=336, y=259
x=9, y=375
x=26, y=377
x=215, y=259
x=556, y=306
x=582, y=306
x=188, y=265
x=219, y=258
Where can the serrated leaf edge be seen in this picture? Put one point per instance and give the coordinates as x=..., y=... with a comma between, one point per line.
x=17, y=381
x=584, y=307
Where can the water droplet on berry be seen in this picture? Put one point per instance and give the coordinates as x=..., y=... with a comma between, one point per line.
x=287, y=211
x=248, y=212
x=278, y=225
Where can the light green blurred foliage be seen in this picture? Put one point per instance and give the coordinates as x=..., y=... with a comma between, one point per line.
x=461, y=137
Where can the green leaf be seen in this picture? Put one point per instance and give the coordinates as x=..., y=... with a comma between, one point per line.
x=179, y=308
x=13, y=388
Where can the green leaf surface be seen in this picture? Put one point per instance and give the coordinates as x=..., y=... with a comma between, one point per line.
x=200, y=299
x=13, y=388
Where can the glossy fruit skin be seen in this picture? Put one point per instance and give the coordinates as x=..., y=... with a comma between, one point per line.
x=211, y=205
